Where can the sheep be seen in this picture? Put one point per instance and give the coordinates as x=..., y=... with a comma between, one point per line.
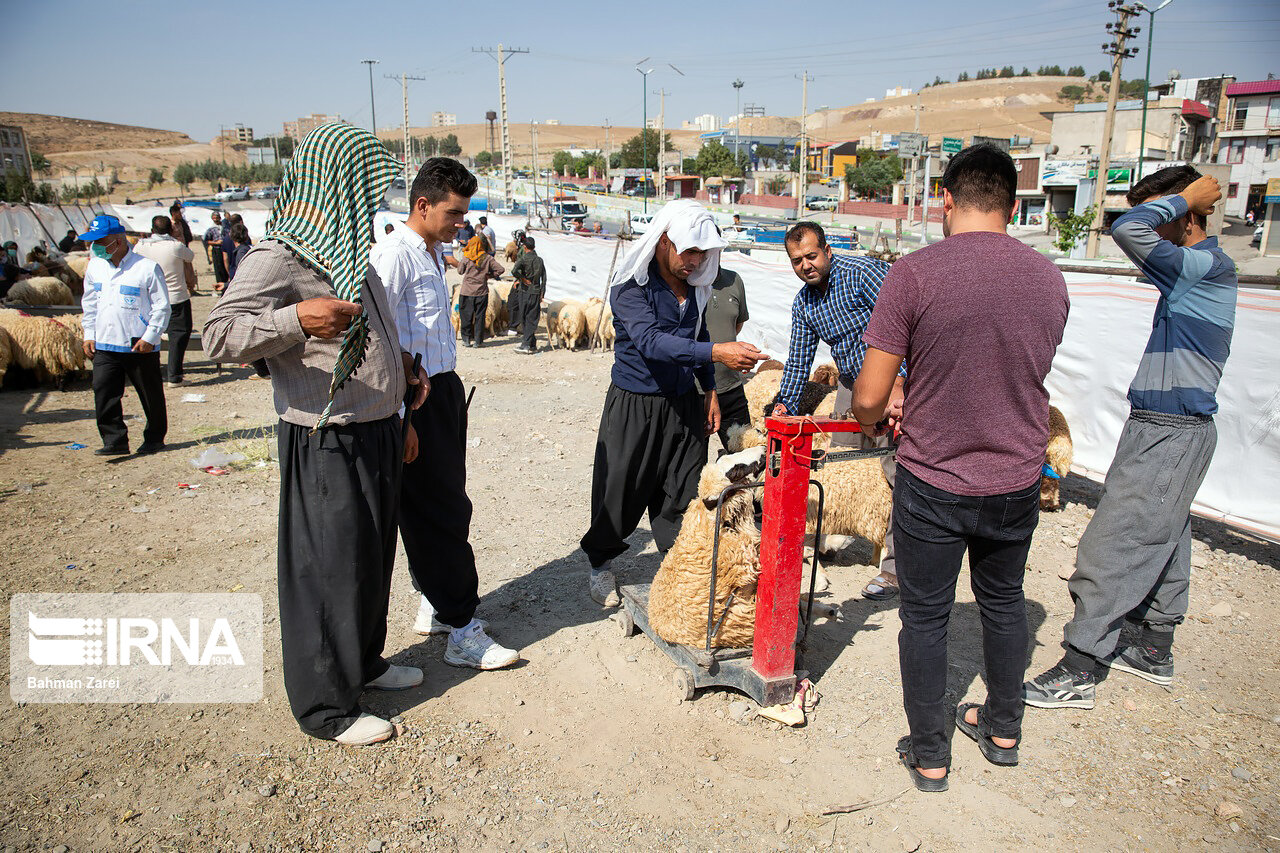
x=594, y=312
x=50, y=349
x=511, y=253
x=42, y=290
x=762, y=392
x=826, y=374
x=607, y=332
x=455, y=310
x=496, y=315
x=6, y=353
x=1058, y=457
x=769, y=364
x=78, y=261
x=566, y=323
x=680, y=591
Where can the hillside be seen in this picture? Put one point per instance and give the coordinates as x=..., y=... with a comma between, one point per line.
x=474, y=138
x=57, y=134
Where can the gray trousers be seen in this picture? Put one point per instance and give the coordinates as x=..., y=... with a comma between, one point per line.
x=1134, y=559
x=859, y=441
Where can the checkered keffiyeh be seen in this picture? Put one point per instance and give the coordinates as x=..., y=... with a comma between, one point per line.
x=331, y=188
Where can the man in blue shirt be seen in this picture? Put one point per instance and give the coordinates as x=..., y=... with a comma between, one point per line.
x=653, y=434
x=1133, y=564
x=834, y=306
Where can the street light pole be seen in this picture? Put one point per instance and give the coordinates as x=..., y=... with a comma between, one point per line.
x=373, y=116
x=1146, y=88
x=644, y=132
x=737, y=123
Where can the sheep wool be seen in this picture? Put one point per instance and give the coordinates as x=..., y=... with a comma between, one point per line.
x=1058, y=457
x=78, y=261
x=566, y=323
x=495, y=314
x=608, y=334
x=49, y=349
x=6, y=352
x=678, y=597
x=43, y=290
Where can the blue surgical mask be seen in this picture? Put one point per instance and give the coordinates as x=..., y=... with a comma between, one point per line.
x=101, y=251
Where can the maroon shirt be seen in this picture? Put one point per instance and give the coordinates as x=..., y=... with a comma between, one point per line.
x=978, y=318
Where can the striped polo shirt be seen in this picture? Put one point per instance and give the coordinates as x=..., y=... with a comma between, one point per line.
x=1191, y=332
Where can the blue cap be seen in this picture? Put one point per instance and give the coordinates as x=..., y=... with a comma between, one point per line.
x=100, y=227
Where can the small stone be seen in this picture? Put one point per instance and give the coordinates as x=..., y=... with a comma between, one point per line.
x=451, y=760
x=267, y=790
x=910, y=843
x=1242, y=774
x=140, y=508
x=520, y=702
x=739, y=710
x=1067, y=801
x=1070, y=541
x=375, y=846
x=61, y=848
x=1221, y=610
x=1066, y=572
x=781, y=825
x=1129, y=705
x=1228, y=810
x=787, y=759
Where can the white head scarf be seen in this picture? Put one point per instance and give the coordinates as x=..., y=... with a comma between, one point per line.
x=689, y=226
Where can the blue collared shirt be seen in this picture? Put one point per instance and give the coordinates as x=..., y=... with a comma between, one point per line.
x=660, y=347
x=838, y=316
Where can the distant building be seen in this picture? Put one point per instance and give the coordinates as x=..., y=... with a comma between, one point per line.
x=240, y=133
x=705, y=122
x=266, y=156
x=896, y=92
x=1249, y=142
x=1177, y=129
x=14, y=156
x=300, y=128
x=552, y=121
x=444, y=120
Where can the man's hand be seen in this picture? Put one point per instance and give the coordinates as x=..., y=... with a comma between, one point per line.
x=90, y=348
x=737, y=356
x=143, y=346
x=713, y=413
x=1203, y=194
x=410, y=444
x=421, y=380
x=893, y=411
x=325, y=317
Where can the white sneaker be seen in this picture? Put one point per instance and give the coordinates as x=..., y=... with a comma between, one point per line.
x=478, y=651
x=511, y=333
x=396, y=678
x=428, y=625
x=365, y=730
x=604, y=589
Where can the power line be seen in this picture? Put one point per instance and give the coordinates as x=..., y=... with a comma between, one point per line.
x=501, y=54
x=404, y=93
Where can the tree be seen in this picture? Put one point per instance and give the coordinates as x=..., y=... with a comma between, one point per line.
x=155, y=178
x=562, y=162
x=1025, y=72
x=775, y=185
x=40, y=163
x=484, y=160
x=1103, y=76
x=184, y=176
x=1075, y=71
x=689, y=166
x=1050, y=71
x=1071, y=229
x=1072, y=93
x=1007, y=71
x=633, y=149
x=875, y=172
x=449, y=146
x=963, y=77
x=715, y=160
x=1133, y=88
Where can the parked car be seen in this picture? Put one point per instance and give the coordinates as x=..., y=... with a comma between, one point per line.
x=1257, y=237
x=569, y=188
x=821, y=202
x=640, y=222
x=596, y=188
x=640, y=190
x=267, y=192
x=545, y=173
x=233, y=194
x=397, y=183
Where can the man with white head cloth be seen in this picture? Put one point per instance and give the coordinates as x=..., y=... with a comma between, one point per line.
x=653, y=431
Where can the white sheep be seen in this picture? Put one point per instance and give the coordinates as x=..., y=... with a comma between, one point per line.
x=566, y=323
x=6, y=352
x=50, y=349
x=78, y=261
x=40, y=291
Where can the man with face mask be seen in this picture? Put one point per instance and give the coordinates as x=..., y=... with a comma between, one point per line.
x=126, y=309
x=653, y=432
x=834, y=306
x=13, y=271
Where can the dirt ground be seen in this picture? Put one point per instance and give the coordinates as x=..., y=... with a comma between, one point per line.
x=585, y=745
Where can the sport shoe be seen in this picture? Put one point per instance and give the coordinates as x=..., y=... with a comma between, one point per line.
x=604, y=589
x=1145, y=662
x=396, y=678
x=365, y=730
x=478, y=651
x=511, y=333
x=1060, y=687
x=428, y=625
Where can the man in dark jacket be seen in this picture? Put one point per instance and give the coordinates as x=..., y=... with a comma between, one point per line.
x=527, y=295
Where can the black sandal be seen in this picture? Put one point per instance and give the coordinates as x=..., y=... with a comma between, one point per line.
x=923, y=783
x=1004, y=756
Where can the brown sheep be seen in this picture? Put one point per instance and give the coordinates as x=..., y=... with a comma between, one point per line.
x=495, y=314
x=680, y=591
x=769, y=364
x=78, y=261
x=43, y=290
x=1058, y=457
x=51, y=350
x=511, y=253
x=826, y=374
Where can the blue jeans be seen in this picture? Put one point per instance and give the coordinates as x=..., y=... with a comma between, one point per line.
x=932, y=529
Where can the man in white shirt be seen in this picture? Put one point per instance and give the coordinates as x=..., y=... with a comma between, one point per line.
x=483, y=228
x=175, y=262
x=126, y=309
x=435, y=512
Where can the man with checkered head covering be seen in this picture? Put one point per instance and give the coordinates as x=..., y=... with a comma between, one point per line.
x=307, y=300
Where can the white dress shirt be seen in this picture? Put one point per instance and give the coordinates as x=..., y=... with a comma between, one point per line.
x=125, y=302
x=173, y=258
x=417, y=297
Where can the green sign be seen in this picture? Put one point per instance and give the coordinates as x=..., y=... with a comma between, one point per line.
x=1115, y=177
x=950, y=145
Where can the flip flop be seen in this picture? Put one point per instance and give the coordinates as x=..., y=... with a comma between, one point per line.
x=908, y=758
x=880, y=588
x=1003, y=756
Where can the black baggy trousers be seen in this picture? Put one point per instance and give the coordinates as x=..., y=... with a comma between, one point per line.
x=649, y=453
x=435, y=512
x=472, y=310
x=142, y=369
x=339, y=493
x=179, y=337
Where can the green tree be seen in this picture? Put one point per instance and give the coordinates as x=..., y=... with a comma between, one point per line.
x=449, y=146
x=562, y=162
x=875, y=172
x=963, y=77
x=155, y=178
x=484, y=160
x=775, y=185
x=1071, y=229
x=1072, y=93
x=1007, y=71
x=1075, y=71
x=1103, y=76
x=1025, y=72
x=715, y=160
x=40, y=163
x=633, y=149
x=1133, y=88
x=689, y=166
x=184, y=175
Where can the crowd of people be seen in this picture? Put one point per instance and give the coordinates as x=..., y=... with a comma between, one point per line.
x=968, y=324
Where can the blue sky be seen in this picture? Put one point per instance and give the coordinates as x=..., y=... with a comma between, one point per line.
x=194, y=66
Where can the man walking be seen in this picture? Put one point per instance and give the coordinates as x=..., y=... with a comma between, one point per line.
x=483, y=228
x=175, y=262
x=834, y=306
x=181, y=228
x=527, y=293
x=726, y=314
x=473, y=294
x=652, y=441
x=978, y=318
x=126, y=309
x=435, y=512
x=1133, y=563
x=213, y=249
x=304, y=300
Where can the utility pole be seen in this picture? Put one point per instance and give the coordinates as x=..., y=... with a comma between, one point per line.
x=644, y=133
x=501, y=55
x=662, y=145
x=1146, y=86
x=533, y=143
x=404, y=94
x=737, y=122
x=804, y=143
x=1117, y=48
x=373, y=116
x=608, y=153
x=222, y=142
x=915, y=165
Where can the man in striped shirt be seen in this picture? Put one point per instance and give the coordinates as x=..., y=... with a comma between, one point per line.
x=834, y=306
x=435, y=512
x=1133, y=564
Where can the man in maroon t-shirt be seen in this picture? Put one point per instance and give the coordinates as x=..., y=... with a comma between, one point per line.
x=978, y=318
